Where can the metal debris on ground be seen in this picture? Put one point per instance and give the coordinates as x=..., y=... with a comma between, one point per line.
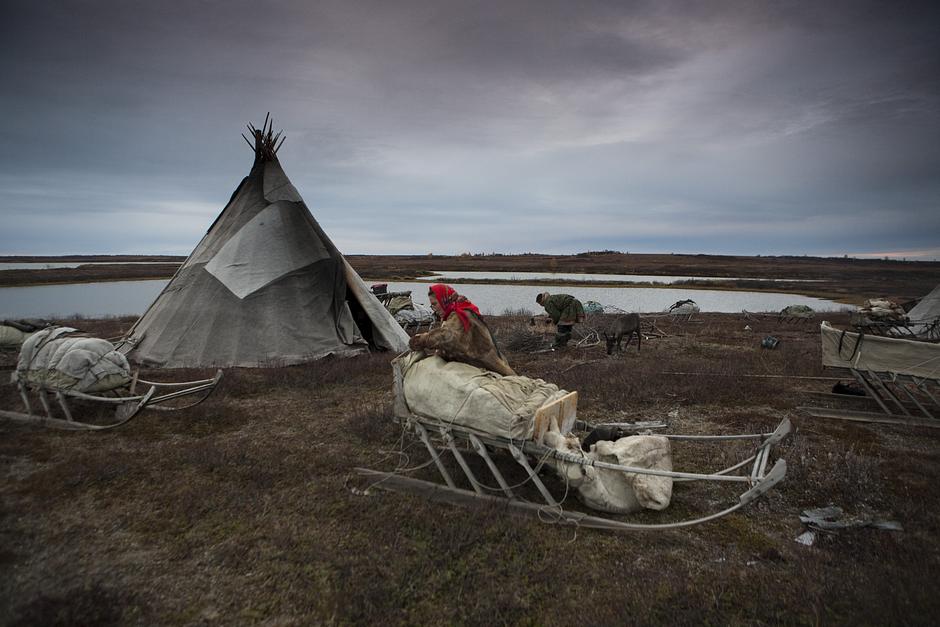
x=807, y=538
x=831, y=518
x=769, y=342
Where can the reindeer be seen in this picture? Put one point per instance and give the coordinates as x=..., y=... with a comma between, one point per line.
x=626, y=324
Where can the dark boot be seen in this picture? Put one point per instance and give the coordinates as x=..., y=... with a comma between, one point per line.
x=563, y=336
x=607, y=433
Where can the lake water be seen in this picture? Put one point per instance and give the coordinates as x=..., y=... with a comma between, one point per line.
x=495, y=299
x=574, y=276
x=118, y=298
x=91, y=300
x=40, y=265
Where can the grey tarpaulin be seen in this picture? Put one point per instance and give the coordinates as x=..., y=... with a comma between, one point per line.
x=264, y=287
x=67, y=359
x=844, y=349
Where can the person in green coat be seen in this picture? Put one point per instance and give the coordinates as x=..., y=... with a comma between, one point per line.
x=565, y=311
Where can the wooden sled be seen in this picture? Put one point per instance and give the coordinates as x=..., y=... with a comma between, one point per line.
x=898, y=376
x=127, y=403
x=441, y=439
x=903, y=400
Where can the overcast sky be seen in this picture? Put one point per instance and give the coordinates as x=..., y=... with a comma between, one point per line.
x=446, y=127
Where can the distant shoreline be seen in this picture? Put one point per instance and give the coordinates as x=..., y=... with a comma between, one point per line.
x=717, y=286
x=91, y=258
x=842, y=280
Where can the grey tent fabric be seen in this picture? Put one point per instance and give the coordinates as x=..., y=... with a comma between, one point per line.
x=924, y=315
x=264, y=287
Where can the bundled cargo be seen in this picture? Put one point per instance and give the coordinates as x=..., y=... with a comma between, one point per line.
x=64, y=363
x=14, y=332
x=67, y=359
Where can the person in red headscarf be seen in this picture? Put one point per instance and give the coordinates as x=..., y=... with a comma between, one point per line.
x=463, y=335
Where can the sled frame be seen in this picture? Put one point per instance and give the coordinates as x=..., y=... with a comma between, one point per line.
x=441, y=439
x=902, y=399
x=127, y=403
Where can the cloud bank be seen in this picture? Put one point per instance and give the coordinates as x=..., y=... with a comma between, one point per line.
x=414, y=127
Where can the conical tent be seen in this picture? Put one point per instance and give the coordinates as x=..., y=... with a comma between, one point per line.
x=264, y=287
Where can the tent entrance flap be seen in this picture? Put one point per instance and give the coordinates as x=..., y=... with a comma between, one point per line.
x=361, y=319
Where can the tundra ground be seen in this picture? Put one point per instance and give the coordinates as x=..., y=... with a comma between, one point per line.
x=244, y=510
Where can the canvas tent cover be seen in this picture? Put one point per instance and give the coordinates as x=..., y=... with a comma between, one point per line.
x=924, y=315
x=265, y=286
x=844, y=349
x=63, y=358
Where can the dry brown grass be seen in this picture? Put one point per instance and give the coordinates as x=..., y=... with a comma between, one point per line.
x=241, y=511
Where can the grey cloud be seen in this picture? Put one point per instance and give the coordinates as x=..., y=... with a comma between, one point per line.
x=523, y=126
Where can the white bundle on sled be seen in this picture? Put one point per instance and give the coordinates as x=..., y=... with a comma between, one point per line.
x=11, y=337
x=66, y=359
x=882, y=309
x=611, y=490
x=519, y=408
x=416, y=315
x=457, y=393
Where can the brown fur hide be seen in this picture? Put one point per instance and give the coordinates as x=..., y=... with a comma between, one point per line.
x=474, y=346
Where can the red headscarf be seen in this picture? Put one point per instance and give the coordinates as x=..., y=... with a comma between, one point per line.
x=452, y=302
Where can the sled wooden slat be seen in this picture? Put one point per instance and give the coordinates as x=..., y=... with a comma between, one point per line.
x=862, y=416
x=904, y=386
x=888, y=394
x=870, y=390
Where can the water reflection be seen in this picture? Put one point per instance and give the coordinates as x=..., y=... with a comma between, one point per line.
x=579, y=276
x=91, y=300
x=495, y=299
x=133, y=297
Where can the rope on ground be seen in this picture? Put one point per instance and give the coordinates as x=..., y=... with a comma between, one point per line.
x=752, y=376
